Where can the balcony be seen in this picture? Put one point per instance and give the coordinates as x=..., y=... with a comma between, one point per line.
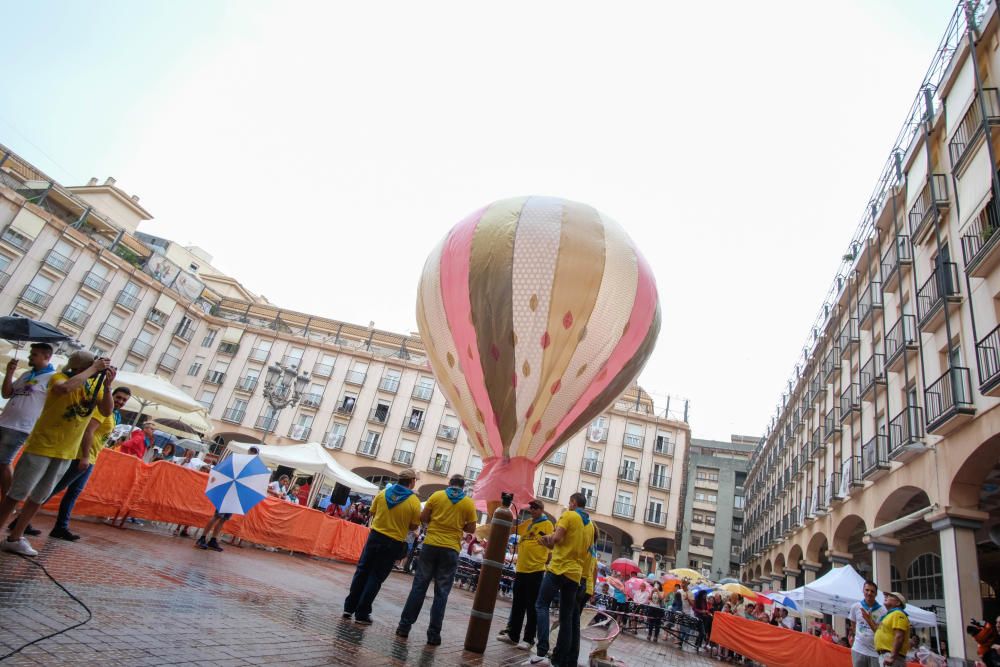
x=906, y=431
x=875, y=458
x=16, y=240
x=35, y=297
x=661, y=481
x=472, y=474
x=169, y=361
x=901, y=337
x=798, y=418
x=818, y=387
x=591, y=466
x=95, y=283
x=299, y=432
x=185, y=332
x=970, y=129
x=933, y=199
x=4, y=279
x=898, y=255
x=949, y=401
x=259, y=354
x=422, y=393
x=57, y=262
x=311, y=400
x=74, y=316
x=246, y=384
x=850, y=401
x=439, y=467
x=831, y=423
x=656, y=516
x=833, y=488
x=140, y=348
x=591, y=501
x=378, y=415
x=942, y=284
x=548, y=491
x=402, y=457
x=872, y=373
x=831, y=362
x=980, y=241
x=322, y=370
x=229, y=349
x=389, y=384
x=853, y=473
x=110, y=333
x=449, y=433
x=629, y=474
x=288, y=361
x=817, y=443
x=234, y=415
x=663, y=447
x=413, y=424
x=336, y=441
x=624, y=510
x=869, y=301
x=356, y=377
x=557, y=459
x=849, y=336
x=368, y=448
x=266, y=424
x=988, y=357
x=127, y=300
x=822, y=504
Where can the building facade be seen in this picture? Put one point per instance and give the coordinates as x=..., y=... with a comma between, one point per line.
x=73, y=257
x=884, y=452
x=714, y=497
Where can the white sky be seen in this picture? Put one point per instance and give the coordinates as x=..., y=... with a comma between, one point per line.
x=319, y=151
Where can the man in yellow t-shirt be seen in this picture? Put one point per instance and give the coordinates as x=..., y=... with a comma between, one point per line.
x=568, y=543
x=395, y=512
x=447, y=514
x=531, y=559
x=76, y=477
x=54, y=441
x=892, y=639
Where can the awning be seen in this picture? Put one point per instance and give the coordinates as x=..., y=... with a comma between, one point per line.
x=27, y=223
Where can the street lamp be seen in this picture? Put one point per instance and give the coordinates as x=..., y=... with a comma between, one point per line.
x=283, y=386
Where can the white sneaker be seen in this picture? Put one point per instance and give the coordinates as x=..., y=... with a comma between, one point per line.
x=539, y=660
x=525, y=646
x=21, y=546
x=504, y=637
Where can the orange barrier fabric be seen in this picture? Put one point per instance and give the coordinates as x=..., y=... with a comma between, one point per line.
x=122, y=485
x=776, y=646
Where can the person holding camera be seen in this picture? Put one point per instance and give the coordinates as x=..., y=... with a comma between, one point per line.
x=531, y=560
x=55, y=440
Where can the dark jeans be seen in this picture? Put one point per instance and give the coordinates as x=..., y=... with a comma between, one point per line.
x=566, y=588
x=437, y=564
x=526, y=585
x=377, y=559
x=73, y=480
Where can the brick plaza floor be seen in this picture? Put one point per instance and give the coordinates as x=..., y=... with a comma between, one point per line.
x=156, y=600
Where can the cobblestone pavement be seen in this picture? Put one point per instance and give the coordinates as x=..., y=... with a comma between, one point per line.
x=158, y=601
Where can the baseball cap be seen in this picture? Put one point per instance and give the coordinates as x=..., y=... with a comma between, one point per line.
x=79, y=360
x=899, y=596
x=408, y=473
x=536, y=503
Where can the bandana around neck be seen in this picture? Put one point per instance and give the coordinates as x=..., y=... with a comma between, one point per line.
x=454, y=494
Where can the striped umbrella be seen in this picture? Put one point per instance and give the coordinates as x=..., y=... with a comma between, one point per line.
x=238, y=483
x=537, y=313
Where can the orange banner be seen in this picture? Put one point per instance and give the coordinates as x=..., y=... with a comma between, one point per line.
x=122, y=485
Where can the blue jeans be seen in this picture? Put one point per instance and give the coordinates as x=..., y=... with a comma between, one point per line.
x=73, y=480
x=567, y=590
x=375, y=565
x=437, y=564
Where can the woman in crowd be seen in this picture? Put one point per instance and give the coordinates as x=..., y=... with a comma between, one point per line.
x=165, y=454
x=703, y=612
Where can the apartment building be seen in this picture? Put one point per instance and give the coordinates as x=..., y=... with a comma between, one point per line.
x=74, y=257
x=713, y=489
x=885, y=450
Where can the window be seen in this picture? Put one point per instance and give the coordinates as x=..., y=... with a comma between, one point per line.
x=347, y=403
x=924, y=578
x=130, y=366
x=697, y=517
x=324, y=365
x=334, y=438
x=358, y=373
x=131, y=289
x=662, y=443
x=42, y=284
x=441, y=460
x=415, y=420
x=708, y=474
x=404, y=452
x=424, y=389
x=549, y=485
x=739, y=502
x=293, y=358
x=704, y=497
x=206, y=398
x=598, y=431
x=709, y=518
x=390, y=381
x=4, y=263
x=633, y=435
x=194, y=368
x=209, y=338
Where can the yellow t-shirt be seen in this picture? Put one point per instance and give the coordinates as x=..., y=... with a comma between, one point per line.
x=565, y=555
x=531, y=555
x=59, y=429
x=885, y=635
x=395, y=522
x=587, y=560
x=101, y=433
x=447, y=519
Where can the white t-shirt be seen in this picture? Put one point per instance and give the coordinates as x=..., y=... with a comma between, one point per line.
x=195, y=463
x=788, y=622
x=26, y=404
x=864, y=636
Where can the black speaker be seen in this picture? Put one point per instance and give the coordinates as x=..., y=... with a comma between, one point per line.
x=340, y=494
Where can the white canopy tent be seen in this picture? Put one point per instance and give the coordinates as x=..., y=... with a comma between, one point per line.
x=836, y=592
x=310, y=457
x=152, y=390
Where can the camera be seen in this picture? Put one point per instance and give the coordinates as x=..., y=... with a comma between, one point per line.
x=506, y=498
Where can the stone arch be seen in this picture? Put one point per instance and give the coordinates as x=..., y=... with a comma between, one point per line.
x=613, y=542
x=966, y=486
x=756, y=573
x=846, y=532
x=779, y=564
x=424, y=492
x=902, y=501
x=815, y=550
x=794, y=556
x=767, y=567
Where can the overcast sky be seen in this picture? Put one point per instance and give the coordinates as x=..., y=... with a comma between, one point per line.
x=319, y=150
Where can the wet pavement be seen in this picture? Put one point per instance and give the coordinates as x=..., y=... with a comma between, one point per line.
x=156, y=600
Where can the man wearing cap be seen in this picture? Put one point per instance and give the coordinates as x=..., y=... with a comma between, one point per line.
x=892, y=639
x=532, y=557
x=448, y=514
x=25, y=398
x=55, y=441
x=866, y=616
x=395, y=513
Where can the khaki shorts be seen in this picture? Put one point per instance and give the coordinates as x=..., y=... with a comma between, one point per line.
x=35, y=476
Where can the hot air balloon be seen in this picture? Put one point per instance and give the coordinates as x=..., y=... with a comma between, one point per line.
x=536, y=313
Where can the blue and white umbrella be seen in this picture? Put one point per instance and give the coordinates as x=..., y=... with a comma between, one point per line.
x=237, y=483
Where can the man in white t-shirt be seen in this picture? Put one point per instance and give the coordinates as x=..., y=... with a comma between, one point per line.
x=25, y=399
x=866, y=616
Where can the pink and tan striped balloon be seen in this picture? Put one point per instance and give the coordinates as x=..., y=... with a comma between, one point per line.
x=537, y=313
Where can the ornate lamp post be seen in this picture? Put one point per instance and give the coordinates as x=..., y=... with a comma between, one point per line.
x=283, y=386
